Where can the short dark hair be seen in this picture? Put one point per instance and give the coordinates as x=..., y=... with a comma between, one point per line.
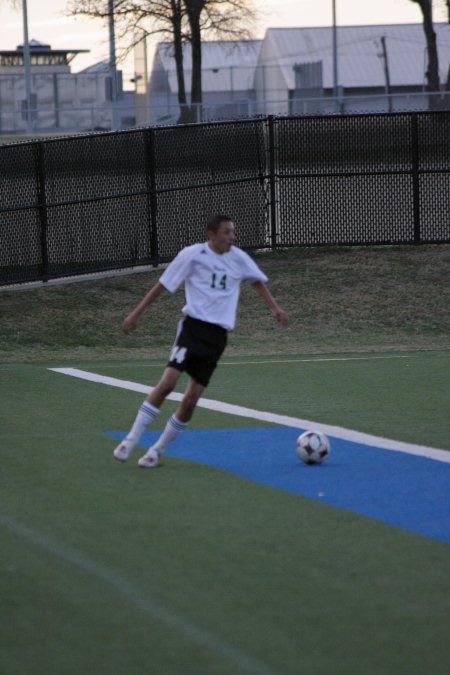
x=215, y=222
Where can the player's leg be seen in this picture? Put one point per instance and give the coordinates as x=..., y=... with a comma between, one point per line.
x=164, y=387
x=175, y=425
x=147, y=413
x=193, y=392
x=197, y=349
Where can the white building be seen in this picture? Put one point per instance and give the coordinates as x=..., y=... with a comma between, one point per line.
x=228, y=72
x=60, y=100
x=293, y=71
x=372, y=62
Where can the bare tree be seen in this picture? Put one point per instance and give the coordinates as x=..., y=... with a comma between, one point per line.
x=178, y=22
x=194, y=9
x=233, y=19
x=432, y=73
x=137, y=19
x=446, y=4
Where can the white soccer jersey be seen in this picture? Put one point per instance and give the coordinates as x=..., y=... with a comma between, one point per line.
x=212, y=281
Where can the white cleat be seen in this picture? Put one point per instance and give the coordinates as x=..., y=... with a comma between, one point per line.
x=124, y=450
x=149, y=460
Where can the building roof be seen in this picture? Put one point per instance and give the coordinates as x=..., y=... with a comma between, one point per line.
x=225, y=65
x=359, y=48
x=100, y=67
x=40, y=53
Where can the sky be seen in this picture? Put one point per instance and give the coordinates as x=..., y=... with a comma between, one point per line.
x=48, y=23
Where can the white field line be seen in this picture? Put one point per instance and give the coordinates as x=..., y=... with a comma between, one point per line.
x=314, y=359
x=134, y=596
x=284, y=420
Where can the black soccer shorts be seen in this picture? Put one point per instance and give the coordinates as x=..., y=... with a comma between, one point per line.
x=197, y=348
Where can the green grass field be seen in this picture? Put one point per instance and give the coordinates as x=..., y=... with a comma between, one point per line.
x=191, y=570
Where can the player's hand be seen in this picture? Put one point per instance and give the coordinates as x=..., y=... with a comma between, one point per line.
x=281, y=317
x=129, y=323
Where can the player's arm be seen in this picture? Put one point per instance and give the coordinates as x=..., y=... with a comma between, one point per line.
x=279, y=314
x=132, y=319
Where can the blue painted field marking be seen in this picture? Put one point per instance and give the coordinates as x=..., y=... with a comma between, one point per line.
x=402, y=490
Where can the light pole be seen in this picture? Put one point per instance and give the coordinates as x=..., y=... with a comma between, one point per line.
x=335, y=61
x=27, y=65
x=112, y=64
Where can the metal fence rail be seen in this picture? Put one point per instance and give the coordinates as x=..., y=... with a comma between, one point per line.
x=106, y=201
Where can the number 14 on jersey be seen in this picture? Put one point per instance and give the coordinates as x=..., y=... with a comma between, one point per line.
x=218, y=281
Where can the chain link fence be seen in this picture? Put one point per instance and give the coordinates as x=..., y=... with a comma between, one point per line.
x=107, y=201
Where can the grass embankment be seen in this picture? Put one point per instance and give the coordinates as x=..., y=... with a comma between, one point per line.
x=339, y=300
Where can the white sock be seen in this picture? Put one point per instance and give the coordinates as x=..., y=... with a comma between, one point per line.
x=173, y=428
x=146, y=414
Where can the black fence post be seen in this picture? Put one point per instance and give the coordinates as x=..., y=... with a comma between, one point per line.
x=272, y=182
x=39, y=163
x=150, y=170
x=415, y=176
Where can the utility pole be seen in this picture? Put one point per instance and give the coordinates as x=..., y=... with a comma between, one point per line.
x=386, y=71
x=112, y=64
x=27, y=65
x=335, y=61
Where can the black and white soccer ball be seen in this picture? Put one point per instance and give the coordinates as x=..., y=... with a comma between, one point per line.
x=312, y=447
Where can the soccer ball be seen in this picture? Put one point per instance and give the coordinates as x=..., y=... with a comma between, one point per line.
x=312, y=447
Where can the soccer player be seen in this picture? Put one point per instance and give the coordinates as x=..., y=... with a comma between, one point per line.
x=211, y=273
